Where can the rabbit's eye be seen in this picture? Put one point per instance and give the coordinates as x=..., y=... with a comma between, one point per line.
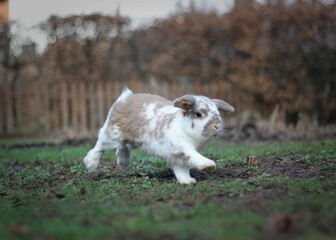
x=198, y=114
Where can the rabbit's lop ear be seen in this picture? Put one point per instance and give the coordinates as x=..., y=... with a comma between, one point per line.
x=186, y=102
x=222, y=105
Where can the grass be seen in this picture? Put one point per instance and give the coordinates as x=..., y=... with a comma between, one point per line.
x=288, y=192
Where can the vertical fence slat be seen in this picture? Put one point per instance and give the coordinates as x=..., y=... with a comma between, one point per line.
x=93, y=113
x=38, y=128
x=82, y=103
x=46, y=108
x=9, y=109
x=29, y=108
x=18, y=105
x=117, y=89
x=74, y=106
x=2, y=114
x=58, y=109
x=108, y=95
x=64, y=104
x=100, y=95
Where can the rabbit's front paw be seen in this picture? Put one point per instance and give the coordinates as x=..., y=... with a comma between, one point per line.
x=91, y=164
x=208, y=165
x=187, y=181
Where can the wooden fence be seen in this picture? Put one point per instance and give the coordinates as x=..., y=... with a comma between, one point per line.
x=79, y=108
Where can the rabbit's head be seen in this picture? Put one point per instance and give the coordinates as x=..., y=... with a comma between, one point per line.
x=201, y=117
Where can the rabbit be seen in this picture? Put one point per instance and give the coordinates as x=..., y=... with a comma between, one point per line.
x=175, y=131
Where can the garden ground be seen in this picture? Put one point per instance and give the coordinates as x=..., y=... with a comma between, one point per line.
x=286, y=190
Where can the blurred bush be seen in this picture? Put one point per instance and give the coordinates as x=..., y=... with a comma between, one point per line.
x=257, y=56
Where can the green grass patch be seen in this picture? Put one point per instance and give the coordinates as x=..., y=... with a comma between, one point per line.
x=45, y=192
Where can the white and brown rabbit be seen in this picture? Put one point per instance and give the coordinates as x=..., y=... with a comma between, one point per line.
x=174, y=131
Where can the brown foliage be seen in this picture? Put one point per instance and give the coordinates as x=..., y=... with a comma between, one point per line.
x=274, y=52
x=257, y=55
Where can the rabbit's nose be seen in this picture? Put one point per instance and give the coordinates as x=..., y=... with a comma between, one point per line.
x=217, y=125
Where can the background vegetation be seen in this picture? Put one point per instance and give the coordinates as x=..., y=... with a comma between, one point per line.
x=257, y=56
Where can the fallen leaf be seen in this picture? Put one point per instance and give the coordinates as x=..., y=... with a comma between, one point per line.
x=20, y=229
x=48, y=194
x=52, y=193
x=119, y=168
x=278, y=223
x=251, y=159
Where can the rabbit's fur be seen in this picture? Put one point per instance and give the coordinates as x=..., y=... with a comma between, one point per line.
x=174, y=131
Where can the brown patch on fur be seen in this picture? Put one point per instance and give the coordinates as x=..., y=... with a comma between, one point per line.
x=128, y=115
x=209, y=169
x=204, y=111
x=185, y=102
x=160, y=124
x=158, y=106
x=182, y=156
